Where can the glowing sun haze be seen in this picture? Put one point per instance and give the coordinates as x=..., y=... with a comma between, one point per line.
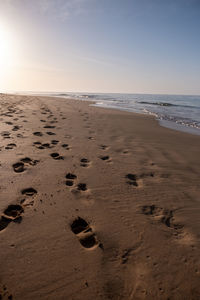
x=129, y=46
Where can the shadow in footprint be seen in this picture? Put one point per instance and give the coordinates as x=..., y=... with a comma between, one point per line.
x=4, y=222
x=56, y=156
x=29, y=191
x=19, y=167
x=89, y=241
x=71, y=176
x=106, y=157
x=37, y=133
x=49, y=126
x=69, y=183
x=79, y=225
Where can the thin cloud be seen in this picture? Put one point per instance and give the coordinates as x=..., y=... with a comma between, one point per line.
x=61, y=9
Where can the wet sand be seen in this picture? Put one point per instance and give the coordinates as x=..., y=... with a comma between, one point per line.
x=96, y=204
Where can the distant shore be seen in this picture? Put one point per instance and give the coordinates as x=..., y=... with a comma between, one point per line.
x=96, y=203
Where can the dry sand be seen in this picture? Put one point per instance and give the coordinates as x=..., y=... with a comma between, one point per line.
x=96, y=204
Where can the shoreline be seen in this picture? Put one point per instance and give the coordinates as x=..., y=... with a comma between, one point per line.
x=106, y=203
x=162, y=122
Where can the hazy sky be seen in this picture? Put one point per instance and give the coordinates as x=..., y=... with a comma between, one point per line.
x=130, y=46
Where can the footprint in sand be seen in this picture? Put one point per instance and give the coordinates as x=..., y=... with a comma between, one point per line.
x=46, y=145
x=103, y=147
x=20, y=166
x=50, y=133
x=84, y=162
x=16, y=128
x=8, y=123
x=70, y=182
x=11, y=214
x=70, y=179
x=54, y=142
x=49, y=126
x=39, y=145
x=83, y=231
x=56, y=156
x=91, y=138
x=135, y=179
x=38, y=133
x=10, y=146
x=132, y=179
x=162, y=215
x=4, y=293
x=82, y=187
x=66, y=146
x=5, y=134
x=29, y=193
x=105, y=158
x=126, y=151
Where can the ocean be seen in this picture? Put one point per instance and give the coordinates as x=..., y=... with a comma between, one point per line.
x=179, y=112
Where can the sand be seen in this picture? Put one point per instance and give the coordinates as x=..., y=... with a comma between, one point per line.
x=96, y=204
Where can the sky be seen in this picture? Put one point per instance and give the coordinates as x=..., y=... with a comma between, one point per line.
x=119, y=46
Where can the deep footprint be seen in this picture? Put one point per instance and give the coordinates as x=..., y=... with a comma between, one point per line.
x=105, y=157
x=37, y=133
x=11, y=213
x=86, y=237
x=49, y=126
x=28, y=160
x=10, y=146
x=69, y=183
x=66, y=146
x=132, y=178
x=82, y=187
x=19, y=167
x=14, y=211
x=89, y=241
x=56, y=156
x=71, y=176
x=29, y=192
x=54, y=142
x=79, y=225
x=84, y=162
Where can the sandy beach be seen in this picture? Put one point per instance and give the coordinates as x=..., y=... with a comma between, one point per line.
x=96, y=204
